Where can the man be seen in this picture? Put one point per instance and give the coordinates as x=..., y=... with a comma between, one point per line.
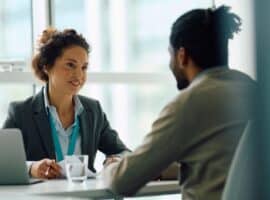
x=201, y=127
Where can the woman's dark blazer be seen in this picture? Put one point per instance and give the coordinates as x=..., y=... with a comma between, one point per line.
x=31, y=118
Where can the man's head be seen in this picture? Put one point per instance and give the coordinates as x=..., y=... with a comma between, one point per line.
x=199, y=40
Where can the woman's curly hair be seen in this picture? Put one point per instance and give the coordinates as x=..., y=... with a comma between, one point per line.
x=51, y=45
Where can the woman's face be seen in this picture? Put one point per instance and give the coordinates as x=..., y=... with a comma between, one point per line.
x=69, y=72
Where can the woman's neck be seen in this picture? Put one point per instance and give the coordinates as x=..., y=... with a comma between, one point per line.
x=63, y=103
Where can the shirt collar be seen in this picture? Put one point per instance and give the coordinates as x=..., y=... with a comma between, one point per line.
x=78, y=105
x=207, y=72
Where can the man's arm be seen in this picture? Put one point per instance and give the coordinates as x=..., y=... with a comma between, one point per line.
x=161, y=147
x=171, y=172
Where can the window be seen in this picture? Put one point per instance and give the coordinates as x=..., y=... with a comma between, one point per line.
x=131, y=108
x=15, y=46
x=242, y=47
x=15, y=34
x=126, y=35
x=12, y=92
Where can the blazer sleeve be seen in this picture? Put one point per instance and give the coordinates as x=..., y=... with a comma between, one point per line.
x=11, y=120
x=109, y=142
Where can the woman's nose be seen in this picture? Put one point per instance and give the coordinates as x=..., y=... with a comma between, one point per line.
x=79, y=73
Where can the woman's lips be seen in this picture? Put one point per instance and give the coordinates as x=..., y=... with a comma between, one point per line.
x=75, y=83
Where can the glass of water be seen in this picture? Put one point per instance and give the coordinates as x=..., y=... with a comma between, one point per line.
x=76, y=167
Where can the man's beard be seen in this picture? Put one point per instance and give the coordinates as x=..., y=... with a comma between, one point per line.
x=182, y=84
x=182, y=81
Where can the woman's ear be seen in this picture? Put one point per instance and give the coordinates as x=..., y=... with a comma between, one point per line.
x=45, y=69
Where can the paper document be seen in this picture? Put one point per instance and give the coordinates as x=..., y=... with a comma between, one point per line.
x=89, y=173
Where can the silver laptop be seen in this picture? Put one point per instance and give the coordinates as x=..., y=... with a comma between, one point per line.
x=13, y=170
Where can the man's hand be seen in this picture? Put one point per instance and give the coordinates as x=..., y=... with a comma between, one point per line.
x=46, y=169
x=111, y=159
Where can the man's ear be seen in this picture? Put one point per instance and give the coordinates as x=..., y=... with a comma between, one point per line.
x=182, y=56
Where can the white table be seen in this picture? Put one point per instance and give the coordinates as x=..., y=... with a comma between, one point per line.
x=91, y=189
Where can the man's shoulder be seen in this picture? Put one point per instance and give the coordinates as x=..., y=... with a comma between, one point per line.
x=180, y=101
x=221, y=79
x=211, y=85
x=227, y=76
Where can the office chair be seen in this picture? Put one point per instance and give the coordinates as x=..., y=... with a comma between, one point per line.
x=242, y=180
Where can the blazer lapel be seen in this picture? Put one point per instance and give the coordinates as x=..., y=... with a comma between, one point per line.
x=84, y=129
x=87, y=136
x=42, y=124
x=86, y=126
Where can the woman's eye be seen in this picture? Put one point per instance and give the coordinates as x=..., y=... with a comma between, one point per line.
x=84, y=68
x=70, y=65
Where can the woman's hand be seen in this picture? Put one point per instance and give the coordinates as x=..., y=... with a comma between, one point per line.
x=46, y=169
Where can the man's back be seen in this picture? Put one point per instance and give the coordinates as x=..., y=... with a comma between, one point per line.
x=200, y=129
x=216, y=107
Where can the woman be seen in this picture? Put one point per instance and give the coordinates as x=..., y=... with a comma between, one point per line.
x=57, y=121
